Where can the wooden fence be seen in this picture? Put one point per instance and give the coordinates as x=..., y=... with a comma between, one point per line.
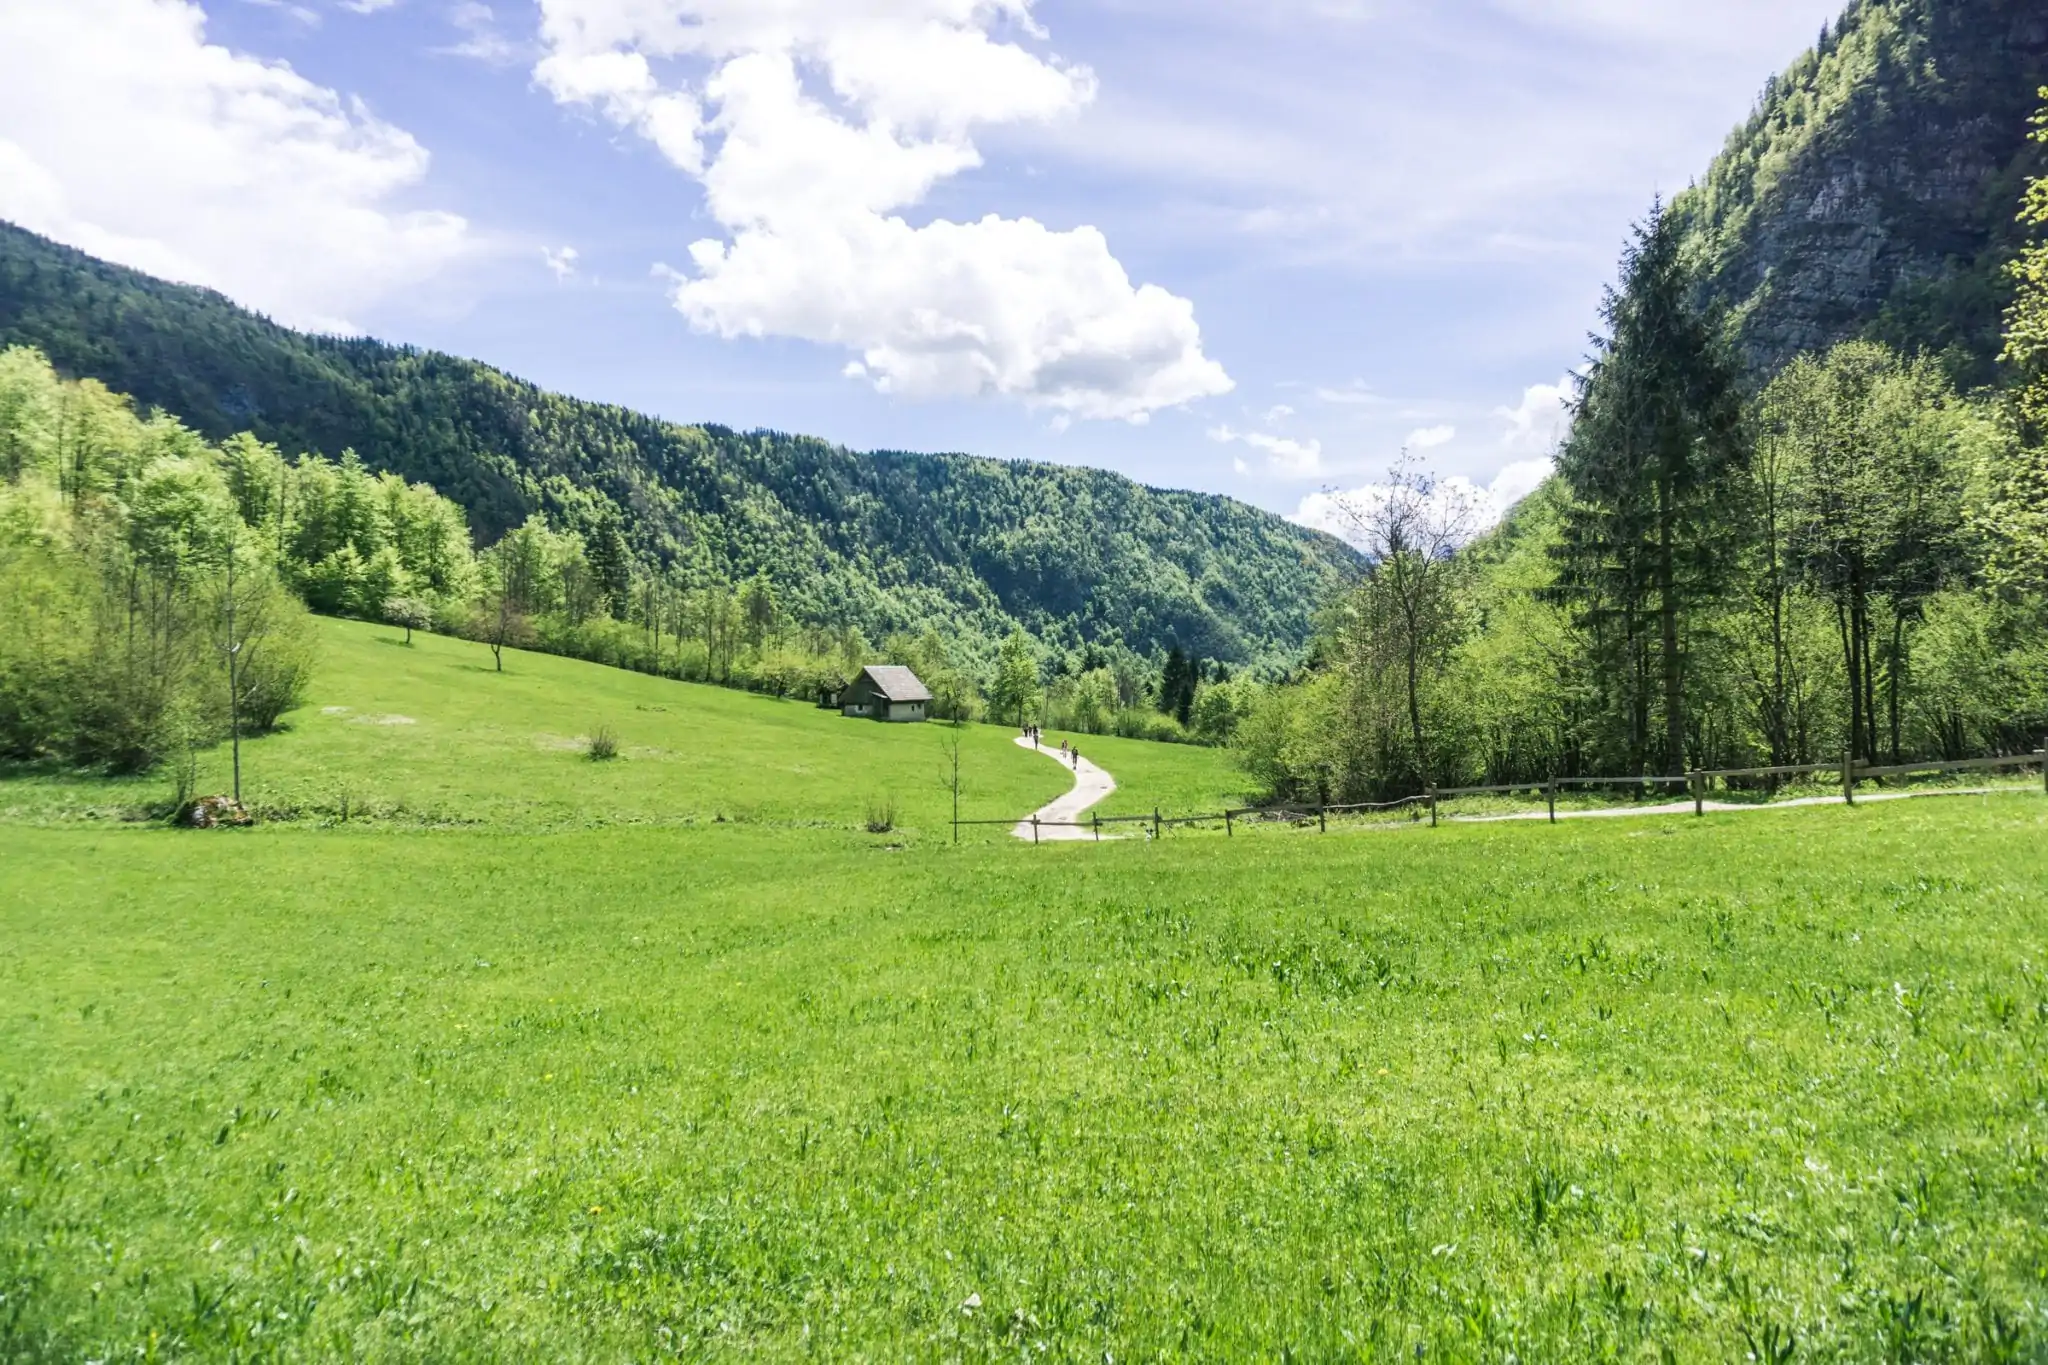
x=1698, y=783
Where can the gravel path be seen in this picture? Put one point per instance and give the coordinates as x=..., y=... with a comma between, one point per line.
x=1091, y=785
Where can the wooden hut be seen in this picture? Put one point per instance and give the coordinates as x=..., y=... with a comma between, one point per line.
x=886, y=692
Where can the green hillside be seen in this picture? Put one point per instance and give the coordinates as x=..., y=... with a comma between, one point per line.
x=877, y=542
x=429, y=735
x=1872, y=191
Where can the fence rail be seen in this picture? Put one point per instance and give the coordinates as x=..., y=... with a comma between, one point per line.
x=1697, y=782
x=1961, y=765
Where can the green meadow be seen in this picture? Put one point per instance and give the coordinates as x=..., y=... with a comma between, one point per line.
x=433, y=735
x=537, y=1058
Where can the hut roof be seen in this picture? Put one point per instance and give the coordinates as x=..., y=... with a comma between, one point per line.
x=896, y=683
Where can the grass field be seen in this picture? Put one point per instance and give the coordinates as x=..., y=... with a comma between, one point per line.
x=1574, y=1093
x=432, y=735
x=543, y=1062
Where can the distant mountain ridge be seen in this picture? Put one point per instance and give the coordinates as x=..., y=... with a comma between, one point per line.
x=879, y=541
x=1873, y=191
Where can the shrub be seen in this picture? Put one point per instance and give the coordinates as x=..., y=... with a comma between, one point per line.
x=603, y=745
x=882, y=815
x=1139, y=722
x=279, y=650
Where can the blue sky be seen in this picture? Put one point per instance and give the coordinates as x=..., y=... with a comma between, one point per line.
x=1254, y=249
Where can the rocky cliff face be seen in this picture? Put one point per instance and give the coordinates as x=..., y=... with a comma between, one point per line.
x=1874, y=190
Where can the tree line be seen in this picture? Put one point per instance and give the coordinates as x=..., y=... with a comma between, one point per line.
x=146, y=615
x=128, y=543
x=1850, y=560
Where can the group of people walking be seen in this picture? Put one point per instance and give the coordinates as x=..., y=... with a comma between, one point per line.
x=1069, y=754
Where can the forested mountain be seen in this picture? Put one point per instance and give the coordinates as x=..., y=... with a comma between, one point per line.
x=1871, y=192
x=1802, y=513
x=875, y=542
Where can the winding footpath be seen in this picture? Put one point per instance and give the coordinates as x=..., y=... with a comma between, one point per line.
x=1057, y=820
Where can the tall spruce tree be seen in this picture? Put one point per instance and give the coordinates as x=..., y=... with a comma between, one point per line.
x=1655, y=445
x=1177, y=682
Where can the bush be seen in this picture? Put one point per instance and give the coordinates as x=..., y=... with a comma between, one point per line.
x=603, y=745
x=1139, y=722
x=882, y=815
x=279, y=650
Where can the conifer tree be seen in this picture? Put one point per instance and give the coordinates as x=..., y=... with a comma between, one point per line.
x=1655, y=444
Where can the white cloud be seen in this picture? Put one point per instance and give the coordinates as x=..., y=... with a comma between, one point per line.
x=1518, y=481
x=1277, y=414
x=1284, y=454
x=1356, y=394
x=812, y=124
x=1540, y=422
x=1483, y=508
x=304, y=14
x=561, y=260
x=481, y=38
x=124, y=133
x=1429, y=438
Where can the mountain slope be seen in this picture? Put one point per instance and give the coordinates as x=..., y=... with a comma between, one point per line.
x=1873, y=191
x=883, y=541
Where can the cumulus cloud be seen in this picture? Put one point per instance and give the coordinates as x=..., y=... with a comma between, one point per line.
x=1535, y=425
x=1518, y=481
x=1284, y=454
x=812, y=124
x=1538, y=423
x=1479, y=508
x=561, y=260
x=125, y=133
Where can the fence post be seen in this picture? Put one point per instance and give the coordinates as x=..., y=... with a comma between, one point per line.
x=2044, y=765
x=1849, y=777
x=1322, y=819
x=1098, y=827
x=1698, y=780
x=1551, y=793
x=1034, y=830
x=1432, y=807
x=1155, y=824
x=1229, y=826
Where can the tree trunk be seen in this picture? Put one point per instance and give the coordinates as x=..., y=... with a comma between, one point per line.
x=1780, y=709
x=1667, y=610
x=1845, y=626
x=1415, y=712
x=1892, y=672
x=1869, y=677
